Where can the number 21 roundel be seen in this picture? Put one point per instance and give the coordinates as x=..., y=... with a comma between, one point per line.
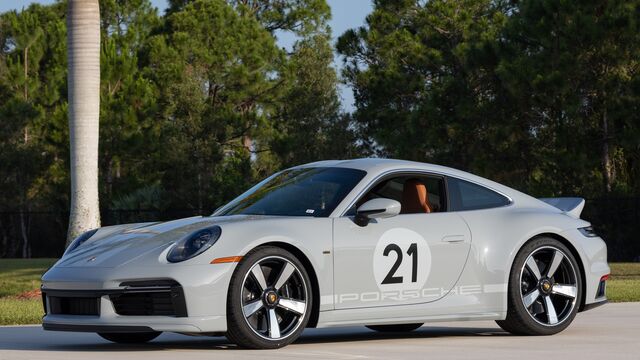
x=401, y=260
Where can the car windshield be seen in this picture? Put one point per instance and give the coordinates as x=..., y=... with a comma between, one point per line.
x=296, y=192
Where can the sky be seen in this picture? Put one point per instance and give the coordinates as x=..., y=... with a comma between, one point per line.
x=346, y=14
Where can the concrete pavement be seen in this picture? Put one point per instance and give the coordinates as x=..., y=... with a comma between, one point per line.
x=608, y=332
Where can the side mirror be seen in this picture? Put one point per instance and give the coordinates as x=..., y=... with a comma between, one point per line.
x=376, y=209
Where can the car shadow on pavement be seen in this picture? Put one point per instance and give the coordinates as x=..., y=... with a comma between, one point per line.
x=33, y=338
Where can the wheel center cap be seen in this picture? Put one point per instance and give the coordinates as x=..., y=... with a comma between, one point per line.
x=271, y=297
x=545, y=286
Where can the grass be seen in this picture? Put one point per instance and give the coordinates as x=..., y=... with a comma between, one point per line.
x=20, y=311
x=17, y=277
x=624, y=283
x=20, y=276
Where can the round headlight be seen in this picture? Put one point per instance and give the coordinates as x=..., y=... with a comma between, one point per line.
x=79, y=240
x=194, y=244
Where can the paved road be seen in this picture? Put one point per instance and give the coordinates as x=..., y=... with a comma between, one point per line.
x=609, y=332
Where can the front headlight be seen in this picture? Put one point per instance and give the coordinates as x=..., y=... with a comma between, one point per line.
x=194, y=244
x=79, y=240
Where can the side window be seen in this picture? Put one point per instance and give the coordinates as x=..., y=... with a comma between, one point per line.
x=464, y=195
x=416, y=194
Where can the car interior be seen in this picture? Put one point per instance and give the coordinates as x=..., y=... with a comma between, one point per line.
x=416, y=194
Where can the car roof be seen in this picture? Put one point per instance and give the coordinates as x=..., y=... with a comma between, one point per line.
x=368, y=164
x=380, y=165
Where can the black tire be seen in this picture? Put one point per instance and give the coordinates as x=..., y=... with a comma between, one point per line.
x=522, y=320
x=394, y=328
x=130, y=338
x=239, y=330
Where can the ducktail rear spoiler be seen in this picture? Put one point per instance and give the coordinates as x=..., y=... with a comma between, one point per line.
x=572, y=206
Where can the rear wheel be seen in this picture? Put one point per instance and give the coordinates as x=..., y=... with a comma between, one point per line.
x=269, y=299
x=130, y=338
x=545, y=289
x=394, y=327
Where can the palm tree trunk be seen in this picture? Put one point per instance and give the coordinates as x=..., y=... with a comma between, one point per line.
x=83, y=52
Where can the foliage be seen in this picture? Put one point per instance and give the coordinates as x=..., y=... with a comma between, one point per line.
x=196, y=104
x=221, y=74
x=571, y=68
x=32, y=78
x=299, y=16
x=128, y=99
x=309, y=126
x=541, y=95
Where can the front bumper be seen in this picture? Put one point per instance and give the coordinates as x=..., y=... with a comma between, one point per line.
x=190, y=299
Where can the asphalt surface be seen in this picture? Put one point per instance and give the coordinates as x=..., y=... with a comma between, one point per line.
x=611, y=331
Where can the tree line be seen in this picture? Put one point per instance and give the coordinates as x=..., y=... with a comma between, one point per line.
x=200, y=101
x=542, y=95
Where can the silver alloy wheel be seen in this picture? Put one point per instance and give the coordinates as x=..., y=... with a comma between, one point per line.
x=274, y=298
x=549, y=286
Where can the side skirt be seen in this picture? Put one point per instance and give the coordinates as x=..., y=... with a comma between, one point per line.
x=593, y=305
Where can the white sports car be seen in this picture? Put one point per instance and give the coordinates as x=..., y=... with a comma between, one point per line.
x=388, y=244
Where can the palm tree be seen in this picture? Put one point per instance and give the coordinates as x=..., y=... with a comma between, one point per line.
x=83, y=52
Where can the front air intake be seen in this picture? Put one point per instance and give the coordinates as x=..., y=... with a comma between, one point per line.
x=89, y=306
x=150, y=298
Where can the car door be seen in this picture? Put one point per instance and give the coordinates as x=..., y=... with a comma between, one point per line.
x=406, y=259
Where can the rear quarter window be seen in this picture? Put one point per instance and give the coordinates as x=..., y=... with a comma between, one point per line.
x=464, y=195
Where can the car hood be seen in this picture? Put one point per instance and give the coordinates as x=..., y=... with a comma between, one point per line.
x=113, y=246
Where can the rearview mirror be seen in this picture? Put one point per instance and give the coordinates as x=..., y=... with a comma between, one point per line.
x=376, y=209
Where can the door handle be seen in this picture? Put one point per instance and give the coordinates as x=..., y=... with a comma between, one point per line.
x=453, y=238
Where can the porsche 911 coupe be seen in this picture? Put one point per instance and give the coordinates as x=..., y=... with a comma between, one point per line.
x=387, y=244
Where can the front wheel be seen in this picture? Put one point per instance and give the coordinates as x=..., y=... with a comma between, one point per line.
x=545, y=289
x=130, y=338
x=269, y=299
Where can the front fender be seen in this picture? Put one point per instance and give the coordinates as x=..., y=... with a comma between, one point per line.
x=311, y=236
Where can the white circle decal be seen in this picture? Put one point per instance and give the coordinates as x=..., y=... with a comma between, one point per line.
x=401, y=260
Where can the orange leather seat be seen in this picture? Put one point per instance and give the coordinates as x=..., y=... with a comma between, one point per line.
x=414, y=198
